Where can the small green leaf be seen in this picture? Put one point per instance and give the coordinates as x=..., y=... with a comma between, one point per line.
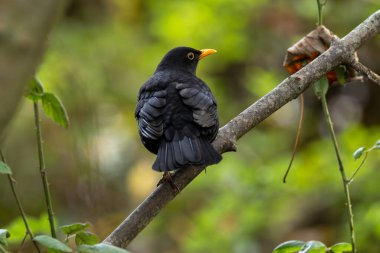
x=341, y=71
x=5, y=169
x=52, y=244
x=342, y=247
x=54, y=109
x=4, y=234
x=35, y=91
x=377, y=145
x=321, y=87
x=85, y=237
x=358, y=153
x=74, y=228
x=313, y=247
x=289, y=247
x=100, y=248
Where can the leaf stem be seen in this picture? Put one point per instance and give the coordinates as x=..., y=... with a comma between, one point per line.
x=342, y=172
x=358, y=168
x=320, y=8
x=2, y=250
x=12, y=183
x=43, y=170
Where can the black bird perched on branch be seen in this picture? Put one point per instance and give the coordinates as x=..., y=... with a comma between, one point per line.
x=177, y=113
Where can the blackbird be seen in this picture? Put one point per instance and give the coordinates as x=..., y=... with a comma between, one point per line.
x=177, y=113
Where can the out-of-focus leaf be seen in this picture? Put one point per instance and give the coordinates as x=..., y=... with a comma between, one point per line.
x=289, y=247
x=377, y=145
x=341, y=74
x=4, y=234
x=35, y=91
x=313, y=247
x=5, y=169
x=52, y=244
x=342, y=247
x=358, y=153
x=54, y=109
x=74, y=228
x=38, y=225
x=85, y=237
x=100, y=248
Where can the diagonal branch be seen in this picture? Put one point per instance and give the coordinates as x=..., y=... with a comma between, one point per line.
x=24, y=28
x=341, y=51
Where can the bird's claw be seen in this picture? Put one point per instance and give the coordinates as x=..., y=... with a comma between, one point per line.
x=167, y=177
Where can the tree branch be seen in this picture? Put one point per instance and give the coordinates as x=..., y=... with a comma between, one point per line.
x=341, y=51
x=358, y=66
x=24, y=28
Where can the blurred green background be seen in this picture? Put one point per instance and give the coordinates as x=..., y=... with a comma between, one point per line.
x=99, y=55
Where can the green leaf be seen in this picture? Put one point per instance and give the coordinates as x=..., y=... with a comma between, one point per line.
x=35, y=91
x=39, y=225
x=289, y=247
x=321, y=87
x=4, y=234
x=52, y=244
x=74, y=228
x=313, y=247
x=54, y=109
x=342, y=247
x=100, y=248
x=358, y=153
x=5, y=169
x=341, y=71
x=377, y=145
x=85, y=237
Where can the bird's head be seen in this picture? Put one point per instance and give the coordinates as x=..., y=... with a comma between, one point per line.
x=183, y=58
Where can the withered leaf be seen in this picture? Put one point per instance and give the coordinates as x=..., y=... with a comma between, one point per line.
x=310, y=47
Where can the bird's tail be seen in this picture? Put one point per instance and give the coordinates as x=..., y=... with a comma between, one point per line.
x=187, y=151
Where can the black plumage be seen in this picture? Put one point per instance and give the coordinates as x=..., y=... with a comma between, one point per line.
x=177, y=113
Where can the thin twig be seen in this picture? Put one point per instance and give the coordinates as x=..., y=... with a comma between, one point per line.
x=299, y=129
x=12, y=183
x=358, y=168
x=23, y=240
x=358, y=66
x=341, y=170
x=43, y=170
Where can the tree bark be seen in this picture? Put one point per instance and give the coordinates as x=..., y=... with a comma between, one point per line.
x=341, y=51
x=24, y=28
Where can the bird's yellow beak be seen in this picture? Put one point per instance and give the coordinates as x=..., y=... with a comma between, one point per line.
x=206, y=52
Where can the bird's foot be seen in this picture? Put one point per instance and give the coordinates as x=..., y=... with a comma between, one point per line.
x=167, y=177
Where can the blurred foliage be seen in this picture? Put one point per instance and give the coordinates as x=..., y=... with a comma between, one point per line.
x=99, y=55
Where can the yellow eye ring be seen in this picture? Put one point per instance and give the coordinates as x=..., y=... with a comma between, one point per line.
x=190, y=56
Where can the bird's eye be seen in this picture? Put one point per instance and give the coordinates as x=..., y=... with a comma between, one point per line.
x=190, y=56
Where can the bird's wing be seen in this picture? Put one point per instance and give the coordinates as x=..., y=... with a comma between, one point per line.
x=148, y=112
x=200, y=99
